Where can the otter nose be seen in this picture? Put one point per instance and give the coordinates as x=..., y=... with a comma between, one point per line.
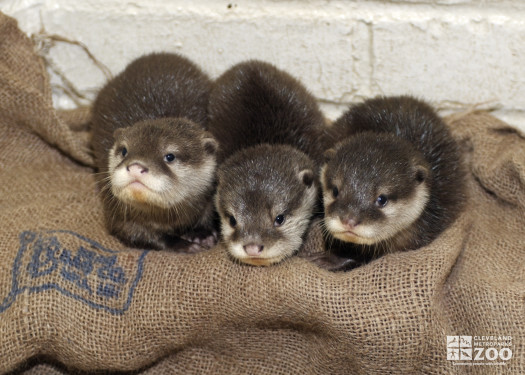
x=136, y=169
x=350, y=222
x=253, y=249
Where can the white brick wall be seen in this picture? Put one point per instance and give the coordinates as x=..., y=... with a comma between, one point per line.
x=454, y=53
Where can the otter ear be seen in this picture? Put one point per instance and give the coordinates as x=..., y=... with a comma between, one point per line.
x=210, y=145
x=421, y=173
x=117, y=133
x=329, y=155
x=306, y=176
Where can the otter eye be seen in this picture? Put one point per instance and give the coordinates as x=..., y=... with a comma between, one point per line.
x=233, y=222
x=169, y=158
x=381, y=201
x=124, y=151
x=335, y=191
x=279, y=220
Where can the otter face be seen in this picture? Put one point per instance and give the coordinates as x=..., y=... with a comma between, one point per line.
x=265, y=201
x=375, y=186
x=161, y=163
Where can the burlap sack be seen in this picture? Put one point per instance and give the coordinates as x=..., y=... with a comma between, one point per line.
x=72, y=298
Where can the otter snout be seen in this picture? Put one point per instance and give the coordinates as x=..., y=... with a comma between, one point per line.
x=349, y=222
x=136, y=169
x=253, y=249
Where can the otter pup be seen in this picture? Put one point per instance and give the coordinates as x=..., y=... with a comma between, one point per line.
x=254, y=102
x=266, y=123
x=265, y=198
x=396, y=182
x=155, y=160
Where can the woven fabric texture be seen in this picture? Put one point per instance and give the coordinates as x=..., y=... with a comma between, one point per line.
x=72, y=298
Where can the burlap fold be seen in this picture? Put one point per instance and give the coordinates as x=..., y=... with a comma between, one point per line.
x=72, y=298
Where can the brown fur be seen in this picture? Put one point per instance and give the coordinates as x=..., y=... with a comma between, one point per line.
x=155, y=107
x=266, y=123
x=255, y=186
x=254, y=102
x=398, y=148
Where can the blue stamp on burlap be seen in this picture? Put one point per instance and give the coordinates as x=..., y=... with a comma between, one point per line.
x=83, y=269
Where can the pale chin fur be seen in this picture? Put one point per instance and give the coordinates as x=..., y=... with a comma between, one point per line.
x=365, y=234
x=400, y=215
x=268, y=256
x=150, y=193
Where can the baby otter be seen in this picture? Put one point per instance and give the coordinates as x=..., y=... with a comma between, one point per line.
x=396, y=182
x=266, y=123
x=254, y=102
x=156, y=161
x=265, y=198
